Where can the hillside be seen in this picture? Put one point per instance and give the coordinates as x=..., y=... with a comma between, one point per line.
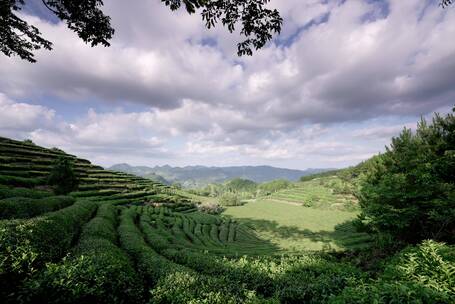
x=199, y=176
x=120, y=238
x=27, y=165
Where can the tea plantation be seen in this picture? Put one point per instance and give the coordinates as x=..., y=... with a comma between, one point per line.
x=120, y=238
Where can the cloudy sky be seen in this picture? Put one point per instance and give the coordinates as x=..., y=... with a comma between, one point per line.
x=330, y=91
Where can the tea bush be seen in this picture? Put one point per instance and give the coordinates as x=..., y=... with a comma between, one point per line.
x=23, y=207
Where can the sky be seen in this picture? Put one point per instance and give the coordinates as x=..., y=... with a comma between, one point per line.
x=340, y=80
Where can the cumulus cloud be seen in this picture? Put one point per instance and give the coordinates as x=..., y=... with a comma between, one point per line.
x=18, y=118
x=357, y=69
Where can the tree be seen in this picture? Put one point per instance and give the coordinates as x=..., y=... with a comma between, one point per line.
x=62, y=176
x=274, y=186
x=85, y=17
x=409, y=191
x=446, y=3
x=241, y=185
x=230, y=199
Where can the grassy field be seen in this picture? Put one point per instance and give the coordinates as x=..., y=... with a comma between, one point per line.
x=328, y=193
x=308, y=216
x=294, y=228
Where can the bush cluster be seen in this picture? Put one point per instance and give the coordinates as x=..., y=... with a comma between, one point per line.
x=18, y=181
x=418, y=274
x=24, y=207
x=210, y=208
x=409, y=191
x=26, y=245
x=230, y=199
x=7, y=192
x=62, y=176
x=97, y=270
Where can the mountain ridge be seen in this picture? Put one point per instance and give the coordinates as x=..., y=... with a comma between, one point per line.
x=197, y=175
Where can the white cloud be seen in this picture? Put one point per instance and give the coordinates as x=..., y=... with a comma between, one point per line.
x=18, y=117
x=360, y=63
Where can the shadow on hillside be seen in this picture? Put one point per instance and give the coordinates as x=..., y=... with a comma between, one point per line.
x=344, y=234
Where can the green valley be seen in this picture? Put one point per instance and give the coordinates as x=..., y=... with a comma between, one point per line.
x=73, y=232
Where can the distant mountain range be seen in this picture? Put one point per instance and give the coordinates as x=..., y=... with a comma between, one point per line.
x=199, y=176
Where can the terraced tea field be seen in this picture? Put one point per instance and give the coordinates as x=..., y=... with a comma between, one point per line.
x=123, y=239
x=327, y=193
x=179, y=228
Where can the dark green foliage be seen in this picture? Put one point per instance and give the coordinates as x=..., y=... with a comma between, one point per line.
x=149, y=264
x=418, y=274
x=409, y=191
x=6, y=192
x=154, y=237
x=103, y=274
x=21, y=181
x=429, y=264
x=25, y=245
x=237, y=188
x=99, y=193
x=62, y=176
x=84, y=17
x=97, y=271
x=274, y=186
x=230, y=199
x=211, y=209
x=315, y=280
x=242, y=273
x=23, y=207
x=319, y=175
x=389, y=292
x=258, y=22
x=241, y=185
x=182, y=287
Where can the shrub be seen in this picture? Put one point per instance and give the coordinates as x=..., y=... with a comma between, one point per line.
x=26, y=245
x=210, y=208
x=6, y=192
x=230, y=199
x=23, y=207
x=188, y=287
x=62, y=176
x=430, y=264
x=234, y=273
x=418, y=274
x=410, y=187
x=150, y=265
x=18, y=181
x=389, y=292
x=274, y=186
x=315, y=281
x=240, y=185
x=97, y=270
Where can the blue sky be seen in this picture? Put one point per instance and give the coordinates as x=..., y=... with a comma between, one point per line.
x=330, y=91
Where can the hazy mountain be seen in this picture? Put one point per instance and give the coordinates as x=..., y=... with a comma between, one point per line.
x=197, y=176
x=140, y=171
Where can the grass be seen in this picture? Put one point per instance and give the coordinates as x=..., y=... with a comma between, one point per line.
x=296, y=228
x=324, y=193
